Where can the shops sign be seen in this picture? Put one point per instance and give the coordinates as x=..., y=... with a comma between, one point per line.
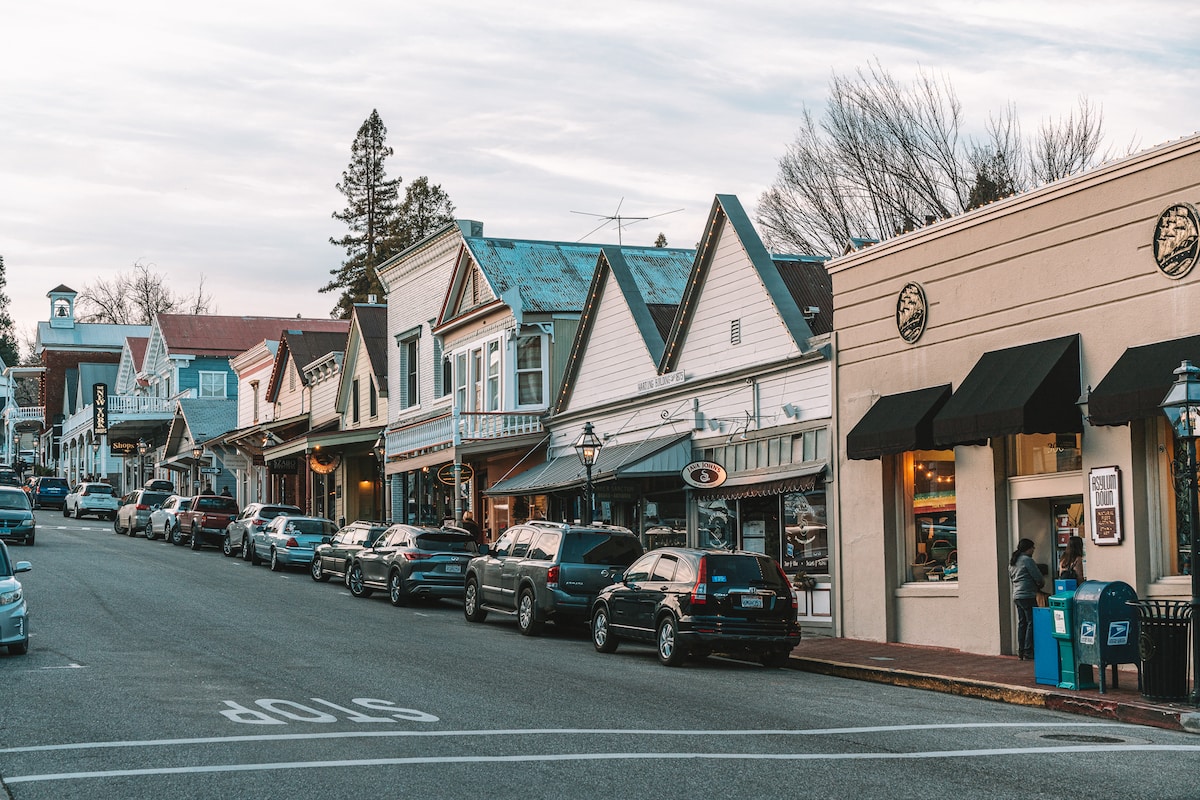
x=447, y=473
x=1104, y=490
x=704, y=474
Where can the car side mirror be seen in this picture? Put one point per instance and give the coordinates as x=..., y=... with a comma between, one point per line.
x=326, y=539
x=484, y=549
x=22, y=566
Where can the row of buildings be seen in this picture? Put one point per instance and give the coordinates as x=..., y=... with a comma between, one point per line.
x=886, y=424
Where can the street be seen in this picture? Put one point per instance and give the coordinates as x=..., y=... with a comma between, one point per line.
x=158, y=672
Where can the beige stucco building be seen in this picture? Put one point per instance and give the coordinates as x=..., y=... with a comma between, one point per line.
x=963, y=352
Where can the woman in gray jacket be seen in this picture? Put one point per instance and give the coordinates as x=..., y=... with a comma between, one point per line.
x=1026, y=580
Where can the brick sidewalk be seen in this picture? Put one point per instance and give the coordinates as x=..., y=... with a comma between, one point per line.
x=1002, y=678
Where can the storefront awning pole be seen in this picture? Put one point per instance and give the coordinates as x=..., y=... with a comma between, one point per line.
x=456, y=420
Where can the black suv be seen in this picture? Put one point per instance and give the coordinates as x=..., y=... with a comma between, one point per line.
x=547, y=571
x=697, y=602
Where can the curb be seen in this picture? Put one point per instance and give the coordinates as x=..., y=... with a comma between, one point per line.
x=1157, y=716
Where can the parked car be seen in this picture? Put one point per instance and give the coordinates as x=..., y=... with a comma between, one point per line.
x=14, y=612
x=98, y=499
x=411, y=561
x=164, y=520
x=333, y=558
x=205, y=520
x=253, y=517
x=289, y=541
x=687, y=601
x=16, y=516
x=9, y=478
x=134, y=512
x=159, y=485
x=547, y=571
x=47, y=490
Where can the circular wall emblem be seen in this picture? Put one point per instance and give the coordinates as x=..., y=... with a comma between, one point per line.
x=1175, y=240
x=323, y=463
x=704, y=474
x=912, y=311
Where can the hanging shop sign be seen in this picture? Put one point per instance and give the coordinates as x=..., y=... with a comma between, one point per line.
x=1177, y=240
x=122, y=447
x=912, y=312
x=446, y=473
x=1104, y=489
x=99, y=409
x=704, y=474
x=323, y=463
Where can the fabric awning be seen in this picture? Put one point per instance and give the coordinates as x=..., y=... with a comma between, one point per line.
x=1139, y=381
x=665, y=455
x=804, y=479
x=1031, y=388
x=897, y=423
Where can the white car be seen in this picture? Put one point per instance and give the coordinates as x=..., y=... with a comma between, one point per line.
x=164, y=520
x=14, y=614
x=95, y=499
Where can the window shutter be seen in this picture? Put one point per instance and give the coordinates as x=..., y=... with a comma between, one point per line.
x=439, y=389
x=403, y=387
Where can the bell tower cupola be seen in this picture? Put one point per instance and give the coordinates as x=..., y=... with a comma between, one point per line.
x=62, y=307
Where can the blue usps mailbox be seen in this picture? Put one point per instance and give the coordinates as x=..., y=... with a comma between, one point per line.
x=1106, y=627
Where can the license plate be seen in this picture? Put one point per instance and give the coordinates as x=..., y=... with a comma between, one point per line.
x=455, y=568
x=751, y=601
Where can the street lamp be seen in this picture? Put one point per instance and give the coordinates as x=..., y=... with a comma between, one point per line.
x=587, y=447
x=197, y=451
x=1182, y=407
x=380, y=449
x=143, y=448
x=95, y=458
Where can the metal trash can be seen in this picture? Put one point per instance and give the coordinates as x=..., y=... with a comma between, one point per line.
x=1163, y=646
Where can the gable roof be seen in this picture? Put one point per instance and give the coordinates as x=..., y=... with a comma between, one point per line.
x=727, y=208
x=304, y=347
x=650, y=282
x=213, y=335
x=372, y=326
x=137, y=350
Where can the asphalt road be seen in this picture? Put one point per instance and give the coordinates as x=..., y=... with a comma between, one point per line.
x=158, y=672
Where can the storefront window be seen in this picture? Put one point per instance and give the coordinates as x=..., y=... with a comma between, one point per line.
x=718, y=523
x=1176, y=520
x=806, y=546
x=930, y=522
x=664, y=521
x=1044, y=453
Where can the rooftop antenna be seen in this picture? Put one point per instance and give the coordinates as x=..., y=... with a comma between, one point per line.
x=621, y=220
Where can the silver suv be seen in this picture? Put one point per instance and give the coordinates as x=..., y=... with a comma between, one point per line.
x=254, y=517
x=541, y=571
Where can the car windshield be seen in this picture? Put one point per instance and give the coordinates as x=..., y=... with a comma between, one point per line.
x=98, y=488
x=447, y=542
x=741, y=571
x=47, y=482
x=13, y=501
x=595, y=547
x=216, y=503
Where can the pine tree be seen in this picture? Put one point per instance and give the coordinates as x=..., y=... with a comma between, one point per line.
x=370, y=213
x=9, y=352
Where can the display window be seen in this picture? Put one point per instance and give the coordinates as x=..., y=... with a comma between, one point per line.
x=1044, y=453
x=929, y=515
x=1176, y=510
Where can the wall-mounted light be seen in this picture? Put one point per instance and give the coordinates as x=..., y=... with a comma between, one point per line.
x=716, y=425
x=790, y=411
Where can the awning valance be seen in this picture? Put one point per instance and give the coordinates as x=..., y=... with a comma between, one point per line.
x=1139, y=381
x=1031, y=388
x=666, y=455
x=804, y=479
x=897, y=423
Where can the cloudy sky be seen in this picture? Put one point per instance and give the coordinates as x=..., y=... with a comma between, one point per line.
x=205, y=139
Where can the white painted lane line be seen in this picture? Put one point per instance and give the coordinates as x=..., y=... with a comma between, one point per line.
x=291, y=737
x=561, y=757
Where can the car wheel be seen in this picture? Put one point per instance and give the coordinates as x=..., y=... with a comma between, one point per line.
x=254, y=559
x=670, y=652
x=176, y=536
x=246, y=548
x=227, y=547
x=275, y=565
x=65, y=512
x=20, y=648
x=355, y=582
x=602, y=636
x=472, y=608
x=194, y=542
x=317, y=570
x=150, y=534
x=396, y=591
x=29, y=540
x=117, y=525
x=775, y=658
x=527, y=621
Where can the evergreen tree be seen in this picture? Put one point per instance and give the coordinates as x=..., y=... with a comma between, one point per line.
x=661, y=241
x=425, y=209
x=9, y=351
x=370, y=213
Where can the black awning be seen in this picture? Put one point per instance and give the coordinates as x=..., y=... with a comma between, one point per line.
x=1031, y=388
x=897, y=423
x=1139, y=381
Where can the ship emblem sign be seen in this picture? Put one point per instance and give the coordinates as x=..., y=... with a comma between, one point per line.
x=1175, y=240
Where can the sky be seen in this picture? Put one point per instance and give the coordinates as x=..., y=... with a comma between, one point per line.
x=204, y=140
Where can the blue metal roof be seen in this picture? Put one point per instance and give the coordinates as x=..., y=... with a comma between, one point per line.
x=536, y=277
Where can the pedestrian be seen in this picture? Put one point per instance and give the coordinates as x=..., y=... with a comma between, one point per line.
x=1027, y=581
x=225, y=492
x=472, y=527
x=1070, y=566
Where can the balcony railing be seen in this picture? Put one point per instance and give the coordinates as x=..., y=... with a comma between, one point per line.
x=25, y=413
x=120, y=408
x=439, y=431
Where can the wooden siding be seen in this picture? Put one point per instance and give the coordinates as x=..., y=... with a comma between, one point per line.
x=614, y=357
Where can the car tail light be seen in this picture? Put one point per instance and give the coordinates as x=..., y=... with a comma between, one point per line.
x=291, y=542
x=552, y=577
x=410, y=555
x=258, y=523
x=141, y=507
x=700, y=590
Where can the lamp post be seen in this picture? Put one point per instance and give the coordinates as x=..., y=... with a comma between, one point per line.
x=380, y=449
x=197, y=451
x=587, y=447
x=95, y=470
x=143, y=448
x=1182, y=407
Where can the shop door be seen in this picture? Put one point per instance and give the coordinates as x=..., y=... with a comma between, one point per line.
x=760, y=525
x=1068, y=520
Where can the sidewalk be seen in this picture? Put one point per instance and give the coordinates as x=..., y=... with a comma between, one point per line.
x=1003, y=678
